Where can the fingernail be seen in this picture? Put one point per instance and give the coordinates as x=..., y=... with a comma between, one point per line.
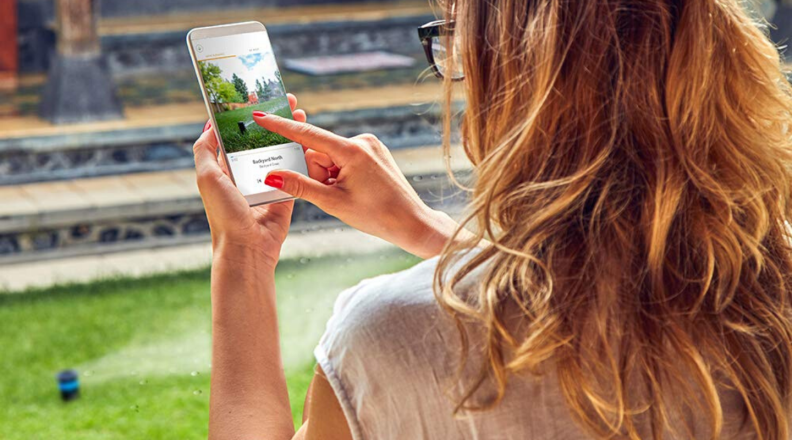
x=208, y=125
x=274, y=181
x=259, y=114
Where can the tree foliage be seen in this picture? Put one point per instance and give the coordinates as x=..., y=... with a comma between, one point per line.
x=240, y=86
x=218, y=89
x=259, y=90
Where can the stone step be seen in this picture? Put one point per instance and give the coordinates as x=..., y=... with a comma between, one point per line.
x=160, y=137
x=147, y=210
x=163, y=108
x=94, y=188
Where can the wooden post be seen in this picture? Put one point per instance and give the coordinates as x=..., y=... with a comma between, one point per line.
x=77, y=28
x=9, y=55
x=79, y=86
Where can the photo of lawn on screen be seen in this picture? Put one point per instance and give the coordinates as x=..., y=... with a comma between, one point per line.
x=239, y=85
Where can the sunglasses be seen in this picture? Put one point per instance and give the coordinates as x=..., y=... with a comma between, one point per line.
x=444, y=58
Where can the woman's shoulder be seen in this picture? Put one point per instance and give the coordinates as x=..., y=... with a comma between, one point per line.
x=391, y=353
x=389, y=308
x=389, y=341
x=388, y=297
x=386, y=301
x=408, y=287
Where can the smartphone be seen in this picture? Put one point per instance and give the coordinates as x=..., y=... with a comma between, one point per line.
x=238, y=75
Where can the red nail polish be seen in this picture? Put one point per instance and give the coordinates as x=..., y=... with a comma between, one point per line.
x=274, y=181
x=208, y=125
x=259, y=114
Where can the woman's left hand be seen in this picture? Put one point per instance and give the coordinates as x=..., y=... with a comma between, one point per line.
x=233, y=223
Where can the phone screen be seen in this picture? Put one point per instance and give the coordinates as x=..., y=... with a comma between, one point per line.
x=240, y=76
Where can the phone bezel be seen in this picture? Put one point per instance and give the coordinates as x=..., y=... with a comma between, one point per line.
x=222, y=31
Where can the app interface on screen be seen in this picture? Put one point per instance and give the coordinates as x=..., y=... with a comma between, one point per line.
x=241, y=76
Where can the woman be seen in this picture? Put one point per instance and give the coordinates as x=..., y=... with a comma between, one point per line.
x=628, y=277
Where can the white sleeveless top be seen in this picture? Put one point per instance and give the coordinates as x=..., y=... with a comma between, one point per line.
x=391, y=355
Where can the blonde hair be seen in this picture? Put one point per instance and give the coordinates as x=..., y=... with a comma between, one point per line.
x=632, y=162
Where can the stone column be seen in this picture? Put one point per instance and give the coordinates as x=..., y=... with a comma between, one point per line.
x=77, y=28
x=9, y=58
x=79, y=87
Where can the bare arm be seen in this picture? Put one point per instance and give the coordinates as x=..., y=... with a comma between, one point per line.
x=323, y=411
x=249, y=399
x=248, y=393
x=248, y=386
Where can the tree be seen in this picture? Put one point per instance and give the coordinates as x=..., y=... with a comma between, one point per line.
x=260, y=90
x=210, y=73
x=240, y=86
x=279, y=90
x=267, y=91
x=228, y=92
x=218, y=89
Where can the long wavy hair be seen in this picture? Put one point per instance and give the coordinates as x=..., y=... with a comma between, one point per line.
x=633, y=168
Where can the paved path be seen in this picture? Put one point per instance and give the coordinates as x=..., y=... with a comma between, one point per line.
x=195, y=112
x=313, y=244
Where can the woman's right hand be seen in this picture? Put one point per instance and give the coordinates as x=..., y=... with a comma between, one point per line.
x=357, y=181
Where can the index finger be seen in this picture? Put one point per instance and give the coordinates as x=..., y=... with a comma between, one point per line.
x=303, y=133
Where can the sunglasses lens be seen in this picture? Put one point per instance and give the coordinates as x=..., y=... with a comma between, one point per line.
x=447, y=57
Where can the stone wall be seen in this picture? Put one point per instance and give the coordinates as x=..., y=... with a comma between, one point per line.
x=25, y=160
x=138, y=227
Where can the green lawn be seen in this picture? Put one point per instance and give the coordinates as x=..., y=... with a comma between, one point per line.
x=142, y=349
x=256, y=137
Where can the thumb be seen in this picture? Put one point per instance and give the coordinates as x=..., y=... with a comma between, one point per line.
x=299, y=186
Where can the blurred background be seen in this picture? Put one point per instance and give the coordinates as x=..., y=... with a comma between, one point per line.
x=104, y=246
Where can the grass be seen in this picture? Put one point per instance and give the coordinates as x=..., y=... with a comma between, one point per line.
x=142, y=348
x=256, y=137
